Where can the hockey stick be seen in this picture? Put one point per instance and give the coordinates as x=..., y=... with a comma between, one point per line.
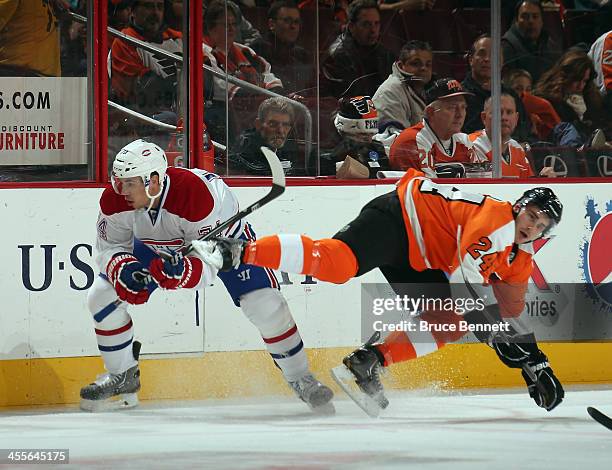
x=601, y=418
x=278, y=188
x=505, y=338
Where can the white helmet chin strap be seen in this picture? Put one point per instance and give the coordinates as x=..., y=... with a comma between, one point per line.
x=153, y=198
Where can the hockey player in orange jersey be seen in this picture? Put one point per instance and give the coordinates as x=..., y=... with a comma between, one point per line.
x=424, y=229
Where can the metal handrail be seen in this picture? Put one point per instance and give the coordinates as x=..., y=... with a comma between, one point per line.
x=236, y=81
x=155, y=122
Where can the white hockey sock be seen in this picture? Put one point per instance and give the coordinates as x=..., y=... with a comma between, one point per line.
x=287, y=350
x=267, y=309
x=115, y=336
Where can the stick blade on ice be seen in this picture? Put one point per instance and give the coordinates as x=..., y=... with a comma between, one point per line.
x=600, y=417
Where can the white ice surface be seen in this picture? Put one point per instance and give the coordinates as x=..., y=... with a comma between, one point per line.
x=420, y=430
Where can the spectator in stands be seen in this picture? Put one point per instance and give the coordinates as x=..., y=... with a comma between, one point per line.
x=231, y=57
x=357, y=62
x=356, y=121
x=119, y=12
x=246, y=33
x=29, y=39
x=570, y=88
x=601, y=55
x=541, y=113
x=478, y=82
x=225, y=55
x=438, y=139
x=274, y=121
x=290, y=62
x=174, y=14
x=515, y=163
x=73, y=44
x=526, y=45
x=140, y=79
x=399, y=100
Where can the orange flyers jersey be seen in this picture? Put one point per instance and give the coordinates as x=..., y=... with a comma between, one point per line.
x=439, y=218
x=601, y=54
x=515, y=164
x=126, y=63
x=418, y=147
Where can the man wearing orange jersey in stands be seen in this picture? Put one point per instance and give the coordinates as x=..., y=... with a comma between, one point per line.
x=141, y=79
x=422, y=230
x=514, y=162
x=438, y=138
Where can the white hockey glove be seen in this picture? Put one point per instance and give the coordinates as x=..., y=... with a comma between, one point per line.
x=224, y=254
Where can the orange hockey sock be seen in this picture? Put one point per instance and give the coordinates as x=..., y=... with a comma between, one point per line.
x=432, y=331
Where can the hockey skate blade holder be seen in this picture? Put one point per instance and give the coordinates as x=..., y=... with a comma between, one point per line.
x=371, y=400
x=112, y=392
x=346, y=380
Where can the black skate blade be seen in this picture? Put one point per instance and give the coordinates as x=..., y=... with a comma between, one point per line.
x=120, y=402
x=346, y=380
x=601, y=418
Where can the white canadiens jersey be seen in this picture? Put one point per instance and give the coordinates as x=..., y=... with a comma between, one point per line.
x=192, y=204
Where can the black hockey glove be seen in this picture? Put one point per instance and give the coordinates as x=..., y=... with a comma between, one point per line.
x=522, y=351
x=547, y=391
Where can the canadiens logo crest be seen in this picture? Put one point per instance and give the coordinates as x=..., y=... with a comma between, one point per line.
x=596, y=262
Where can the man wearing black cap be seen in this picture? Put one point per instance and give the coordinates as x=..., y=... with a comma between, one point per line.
x=438, y=139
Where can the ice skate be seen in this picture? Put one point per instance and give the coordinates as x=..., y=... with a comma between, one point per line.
x=113, y=391
x=315, y=394
x=359, y=377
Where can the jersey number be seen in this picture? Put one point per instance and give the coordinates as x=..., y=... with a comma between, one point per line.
x=477, y=249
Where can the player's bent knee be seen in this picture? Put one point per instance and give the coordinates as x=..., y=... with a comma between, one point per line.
x=267, y=309
x=333, y=261
x=100, y=295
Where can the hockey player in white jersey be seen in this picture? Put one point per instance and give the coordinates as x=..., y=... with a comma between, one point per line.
x=153, y=209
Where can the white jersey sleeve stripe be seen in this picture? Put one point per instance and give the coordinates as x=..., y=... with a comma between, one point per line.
x=414, y=220
x=292, y=253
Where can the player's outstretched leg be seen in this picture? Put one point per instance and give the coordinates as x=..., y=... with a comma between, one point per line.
x=359, y=377
x=115, y=336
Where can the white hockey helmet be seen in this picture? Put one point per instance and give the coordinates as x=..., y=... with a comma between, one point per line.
x=143, y=159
